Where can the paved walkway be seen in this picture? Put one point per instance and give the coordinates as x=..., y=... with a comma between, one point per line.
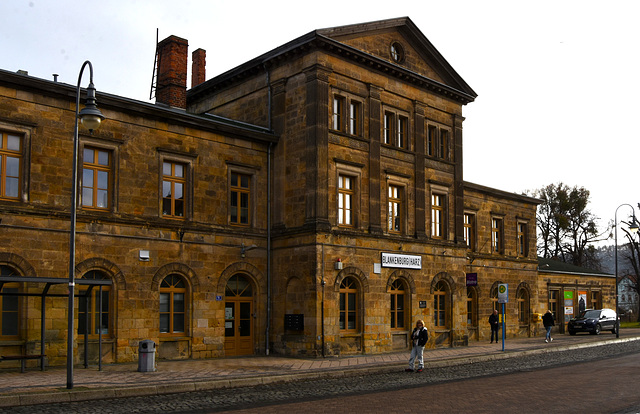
x=122, y=380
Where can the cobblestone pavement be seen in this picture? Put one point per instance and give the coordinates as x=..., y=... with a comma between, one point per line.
x=597, y=386
x=357, y=380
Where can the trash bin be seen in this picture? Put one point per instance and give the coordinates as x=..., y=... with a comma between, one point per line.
x=146, y=356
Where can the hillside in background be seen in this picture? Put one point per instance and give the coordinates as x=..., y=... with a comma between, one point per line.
x=606, y=256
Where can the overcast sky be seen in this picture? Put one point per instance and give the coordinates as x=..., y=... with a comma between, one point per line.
x=557, y=81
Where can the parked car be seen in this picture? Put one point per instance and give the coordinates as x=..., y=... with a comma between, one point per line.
x=593, y=321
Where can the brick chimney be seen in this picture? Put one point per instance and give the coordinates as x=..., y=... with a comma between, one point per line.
x=171, y=87
x=198, y=63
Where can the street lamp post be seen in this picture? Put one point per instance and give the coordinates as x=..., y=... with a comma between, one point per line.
x=633, y=227
x=91, y=117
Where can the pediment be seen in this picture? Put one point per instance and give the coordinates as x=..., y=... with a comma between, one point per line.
x=401, y=43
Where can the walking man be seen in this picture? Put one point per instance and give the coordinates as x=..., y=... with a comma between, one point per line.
x=548, y=322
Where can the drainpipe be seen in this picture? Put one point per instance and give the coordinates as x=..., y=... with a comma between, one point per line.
x=322, y=303
x=268, y=247
x=268, y=215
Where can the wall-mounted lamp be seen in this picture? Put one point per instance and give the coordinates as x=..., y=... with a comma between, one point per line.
x=338, y=264
x=143, y=255
x=244, y=249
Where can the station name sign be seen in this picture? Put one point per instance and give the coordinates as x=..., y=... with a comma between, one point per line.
x=403, y=261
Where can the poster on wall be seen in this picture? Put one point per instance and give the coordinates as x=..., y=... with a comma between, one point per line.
x=568, y=310
x=582, y=300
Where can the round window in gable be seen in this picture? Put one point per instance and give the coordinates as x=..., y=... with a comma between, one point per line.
x=397, y=52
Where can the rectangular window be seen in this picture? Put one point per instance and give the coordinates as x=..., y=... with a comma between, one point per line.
x=432, y=140
x=469, y=231
x=173, y=189
x=96, y=171
x=395, y=209
x=437, y=142
x=395, y=129
x=388, y=127
x=10, y=165
x=338, y=113
x=240, y=192
x=522, y=239
x=403, y=128
x=443, y=144
x=496, y=235
x=437, y=216
x=355, y=118
x=345, y=200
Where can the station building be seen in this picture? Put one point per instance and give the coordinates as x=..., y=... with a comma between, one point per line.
x=309, y=202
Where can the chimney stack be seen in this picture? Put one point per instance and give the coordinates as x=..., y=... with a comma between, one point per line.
x=198, y=67
x=171, y=88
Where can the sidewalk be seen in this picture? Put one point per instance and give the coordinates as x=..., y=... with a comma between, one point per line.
x=123, y=380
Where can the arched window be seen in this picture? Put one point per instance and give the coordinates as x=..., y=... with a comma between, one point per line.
x=398, y=300
x=472, y=307
x=96, y=325
x=173, y=295
x=9, y=305
x=494, y=297
x=440, y=305
x=349, y=305
x=522, y=298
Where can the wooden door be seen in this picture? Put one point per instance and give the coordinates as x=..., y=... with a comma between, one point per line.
x=238, y=321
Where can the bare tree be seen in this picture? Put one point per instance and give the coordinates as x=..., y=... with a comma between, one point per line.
x=567, y=229
x=632, y=256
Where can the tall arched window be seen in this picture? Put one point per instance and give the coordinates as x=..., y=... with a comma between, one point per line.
x=440, y=305
x=173, y=295
x=349, y=305
x=398, y=300
x=522, y=297
x=9, y=305
x=96, y=325
x=494, y=297
x=472, y=307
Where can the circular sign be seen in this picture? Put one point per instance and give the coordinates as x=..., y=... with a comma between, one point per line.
x=502, y=288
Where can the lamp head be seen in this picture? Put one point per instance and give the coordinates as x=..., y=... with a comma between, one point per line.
x=633, y=227
x=90, y=115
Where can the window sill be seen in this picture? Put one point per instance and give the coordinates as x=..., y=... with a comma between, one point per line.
x=350, y=334
x=95, y=340
x=11, y=342
x=167, y=338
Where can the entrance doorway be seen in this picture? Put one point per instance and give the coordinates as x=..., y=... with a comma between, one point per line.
x=238, y=317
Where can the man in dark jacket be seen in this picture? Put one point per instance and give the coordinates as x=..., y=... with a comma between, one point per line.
x=548, y=322
x=419, y=338
x=494, y=321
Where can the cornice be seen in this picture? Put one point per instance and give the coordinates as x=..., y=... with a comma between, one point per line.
x=315, y=41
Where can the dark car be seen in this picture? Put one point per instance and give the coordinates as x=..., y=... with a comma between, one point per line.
x=593, y=321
